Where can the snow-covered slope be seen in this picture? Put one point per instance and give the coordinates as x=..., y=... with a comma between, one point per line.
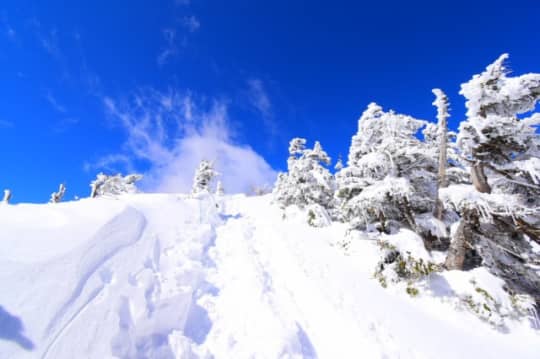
x=166, y=276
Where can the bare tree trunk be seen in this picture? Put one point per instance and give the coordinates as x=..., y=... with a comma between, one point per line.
x=461, y=242
x=479, y=178
x=457, y=249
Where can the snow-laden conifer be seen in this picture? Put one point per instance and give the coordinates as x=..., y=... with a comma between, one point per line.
x=502, y=215
x=502, y=148
x=307, y=180
x=390, y=173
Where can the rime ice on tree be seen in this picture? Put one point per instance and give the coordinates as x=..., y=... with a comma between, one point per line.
x=390, y=173
x=307, y=181
x=105, y=185
x=502, y=215
x=204, y=175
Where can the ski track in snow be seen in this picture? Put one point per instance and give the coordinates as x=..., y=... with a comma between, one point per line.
x=192, y=278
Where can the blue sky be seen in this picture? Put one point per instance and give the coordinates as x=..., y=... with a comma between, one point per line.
x=153, y=86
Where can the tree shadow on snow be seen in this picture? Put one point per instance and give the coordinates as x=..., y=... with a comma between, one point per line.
x=12, y=329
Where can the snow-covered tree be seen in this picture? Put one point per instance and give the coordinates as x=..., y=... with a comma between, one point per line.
x=105, y=185
x=307, y=180
x=57, y=196
x=204, y=175
x=390, y=173
x=502, y=148
x=7, y=196
x=502, y=216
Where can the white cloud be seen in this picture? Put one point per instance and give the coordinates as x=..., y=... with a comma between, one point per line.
x=171, y=133
x=191, y=23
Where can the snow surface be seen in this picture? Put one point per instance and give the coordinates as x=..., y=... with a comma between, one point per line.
x=169, y=276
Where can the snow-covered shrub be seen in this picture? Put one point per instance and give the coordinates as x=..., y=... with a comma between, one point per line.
x=404, y=260
x=204, y=176
x=57, y=196
x=307, y=181
x=486, y=296
x=105, y=185
x=396, y=266
x=7, y=196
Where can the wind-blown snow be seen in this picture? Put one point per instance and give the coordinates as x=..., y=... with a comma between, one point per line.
x=167, y=276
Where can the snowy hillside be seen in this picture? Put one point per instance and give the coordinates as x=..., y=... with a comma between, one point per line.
x=168, y=276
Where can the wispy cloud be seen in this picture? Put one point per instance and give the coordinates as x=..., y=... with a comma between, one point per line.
x=48, y=39
x=109, y=163
x=170, y=49
x=171, y=132
x=191, y=23
x=54, y=103
x=260, y=101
